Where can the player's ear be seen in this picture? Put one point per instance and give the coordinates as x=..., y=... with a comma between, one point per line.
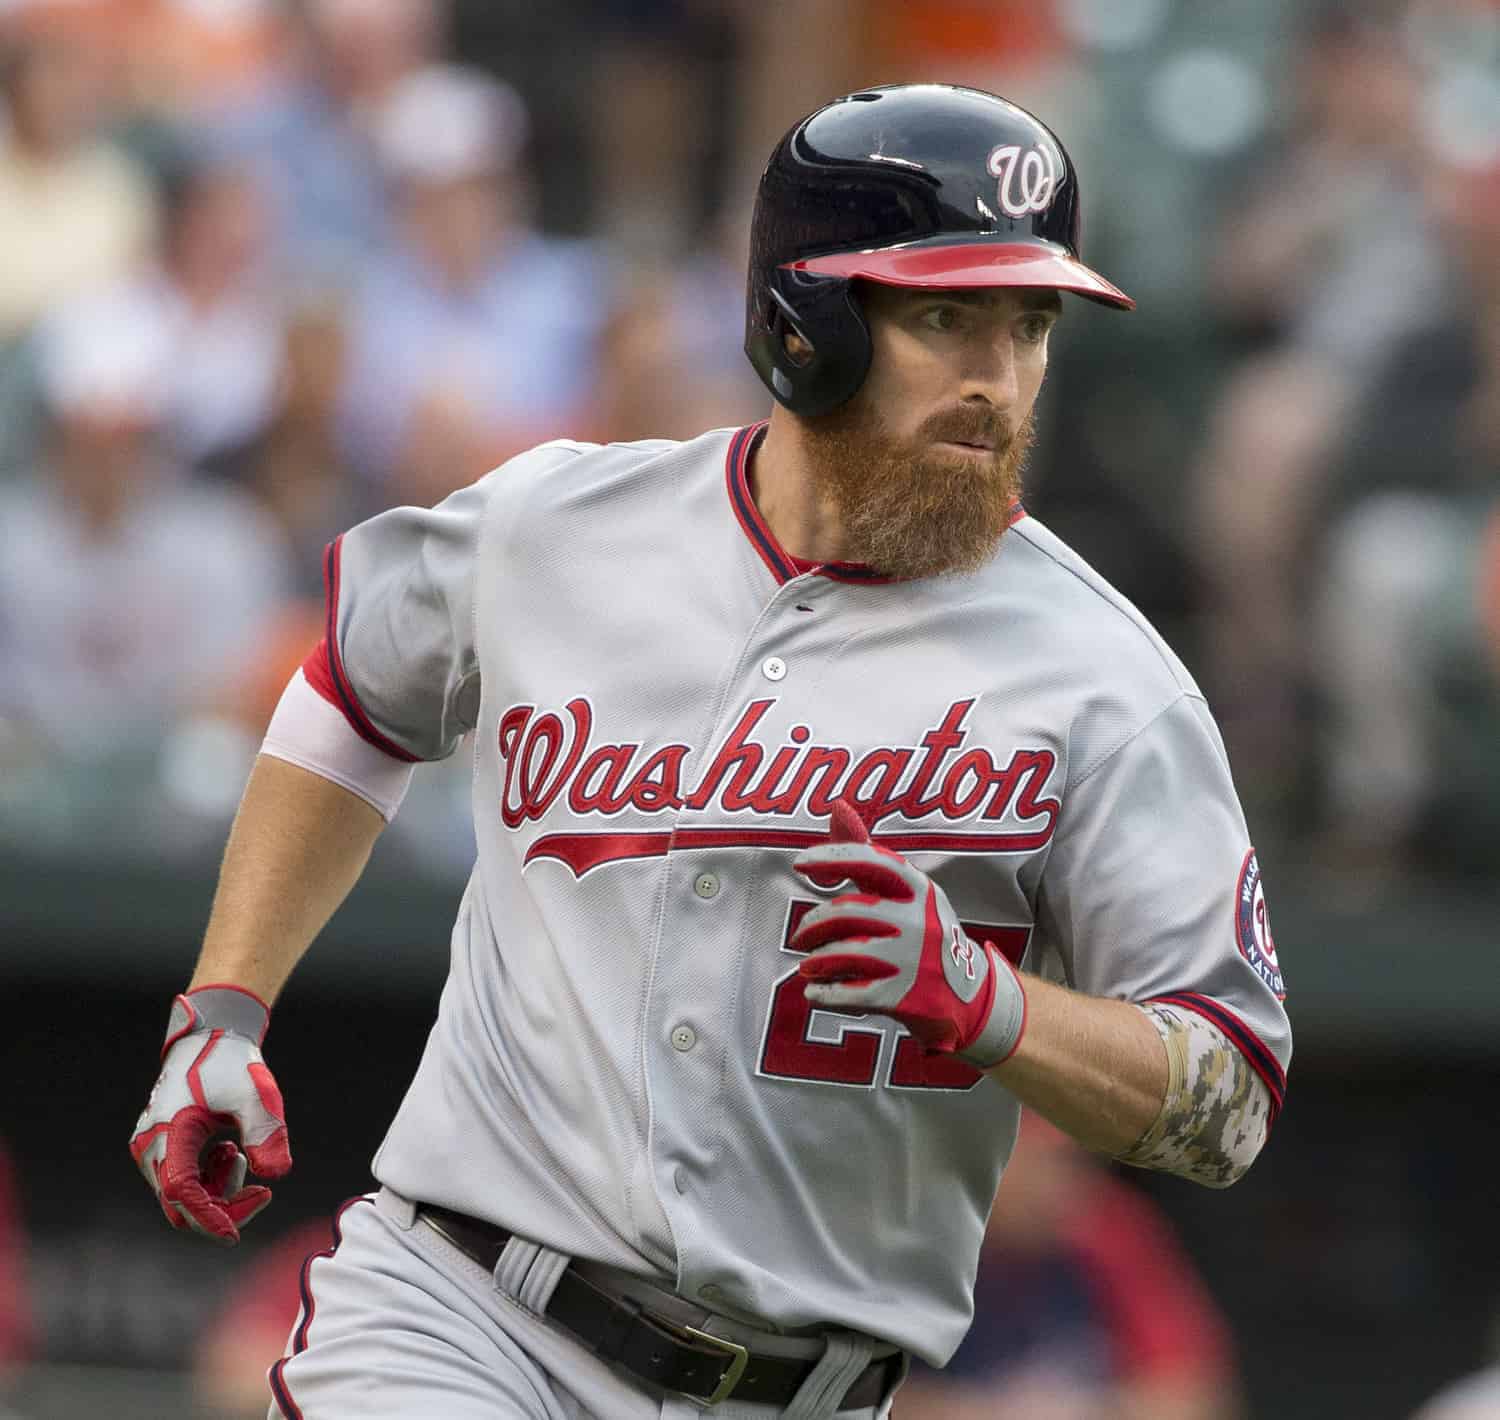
x=798, y=350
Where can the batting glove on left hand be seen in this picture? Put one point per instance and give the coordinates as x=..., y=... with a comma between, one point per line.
x=215, y=1094
x=895, y=946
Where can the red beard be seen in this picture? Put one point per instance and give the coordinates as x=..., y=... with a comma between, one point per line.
x=913, y=509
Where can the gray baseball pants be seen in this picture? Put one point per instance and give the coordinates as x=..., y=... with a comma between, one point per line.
x=398, y=1324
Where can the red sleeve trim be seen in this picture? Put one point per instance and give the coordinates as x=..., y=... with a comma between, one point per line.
x=315, y=670
x=1251, y=1046
x=332, y=667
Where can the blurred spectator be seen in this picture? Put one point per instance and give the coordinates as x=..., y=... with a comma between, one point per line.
x=1475, y=1397
x=127, y=597
x=655, y=61
x=475, y=337
x=249, y=1333
x=1085, y=1307
x=214, y=285
x=74, y=212
x=670, y=358
x=1330, y=201
x=15, y=1321
x=1409, y=627
x=190, y=56
x=298, y=471
x=311, y=129
x=787, y=70
x=1326, y=265
x=962, y=41
x=648, y=385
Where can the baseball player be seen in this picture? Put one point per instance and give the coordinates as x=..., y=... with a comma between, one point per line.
x=829, y=809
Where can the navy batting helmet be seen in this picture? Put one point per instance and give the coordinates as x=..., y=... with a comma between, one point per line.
x=907, y=185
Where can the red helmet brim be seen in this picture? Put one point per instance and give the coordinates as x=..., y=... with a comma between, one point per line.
x=968, y=266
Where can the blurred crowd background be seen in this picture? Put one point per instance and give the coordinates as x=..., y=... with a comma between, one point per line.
x=270, y=266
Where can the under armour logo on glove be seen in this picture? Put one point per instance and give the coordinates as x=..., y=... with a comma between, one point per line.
x=214, y=1097
x=894, y=945
x=963, y=950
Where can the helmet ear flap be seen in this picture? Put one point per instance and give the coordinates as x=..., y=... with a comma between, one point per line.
x=813, y=349
x=792, y=342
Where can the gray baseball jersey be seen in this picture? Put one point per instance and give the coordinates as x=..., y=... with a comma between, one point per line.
x=665, y=704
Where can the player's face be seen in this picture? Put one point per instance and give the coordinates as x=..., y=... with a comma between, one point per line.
x=924, y=463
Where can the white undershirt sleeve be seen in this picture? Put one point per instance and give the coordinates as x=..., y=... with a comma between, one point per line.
x=309, y=732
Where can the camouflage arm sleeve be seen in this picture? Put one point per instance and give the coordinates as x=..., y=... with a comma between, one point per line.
x=1216, y=1112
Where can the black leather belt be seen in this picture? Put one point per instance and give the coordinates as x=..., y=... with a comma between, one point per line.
x=670, y=1355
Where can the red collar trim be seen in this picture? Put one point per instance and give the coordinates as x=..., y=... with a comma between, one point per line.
x=783, y=566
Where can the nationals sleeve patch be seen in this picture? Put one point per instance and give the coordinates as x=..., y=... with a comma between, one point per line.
x=1252, y=927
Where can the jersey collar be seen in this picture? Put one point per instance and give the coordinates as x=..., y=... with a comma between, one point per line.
x=782, y=564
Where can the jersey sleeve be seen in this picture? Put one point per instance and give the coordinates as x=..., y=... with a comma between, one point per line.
x=1153, y=892
x=398, y=656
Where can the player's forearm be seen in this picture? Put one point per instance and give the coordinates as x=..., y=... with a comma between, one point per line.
x=1095, y=1068
x=298, y=845
x=1152, y=1085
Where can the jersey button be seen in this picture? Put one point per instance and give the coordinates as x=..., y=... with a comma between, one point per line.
x=773, y=668
x=706, y=885
x=684, y=1038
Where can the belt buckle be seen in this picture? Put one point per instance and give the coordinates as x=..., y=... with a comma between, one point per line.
x=738, y=1356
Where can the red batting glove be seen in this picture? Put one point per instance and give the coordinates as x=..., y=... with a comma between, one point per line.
x=895, y=946
x=214, y=1095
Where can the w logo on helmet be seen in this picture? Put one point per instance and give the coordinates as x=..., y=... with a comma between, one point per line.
x=1028, y=178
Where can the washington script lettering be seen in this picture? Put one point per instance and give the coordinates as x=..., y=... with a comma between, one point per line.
x=550, y=759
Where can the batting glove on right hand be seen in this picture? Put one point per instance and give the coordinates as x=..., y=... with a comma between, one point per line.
x=214, y=1094
x=895, y=945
